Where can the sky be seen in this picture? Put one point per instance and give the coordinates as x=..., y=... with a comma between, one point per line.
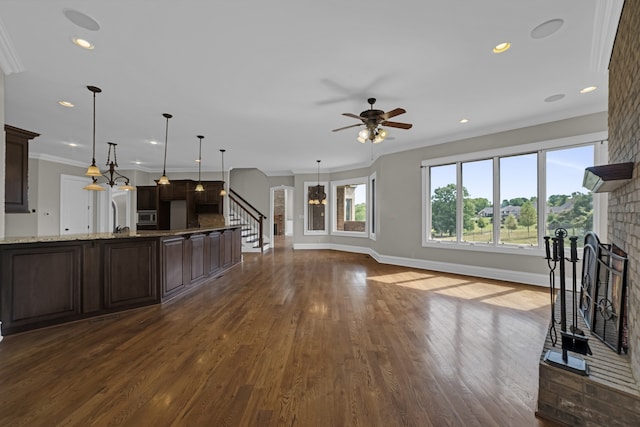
x=565, y=170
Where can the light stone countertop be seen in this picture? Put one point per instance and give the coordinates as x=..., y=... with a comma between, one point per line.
x=106, y=236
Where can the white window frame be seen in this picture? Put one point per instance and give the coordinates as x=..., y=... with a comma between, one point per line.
x=334, y=210
x=599, y=200
x=307, y=232
x=372, y=214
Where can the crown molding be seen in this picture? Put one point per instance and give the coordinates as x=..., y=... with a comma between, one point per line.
x=605, y=23
x=9, y=61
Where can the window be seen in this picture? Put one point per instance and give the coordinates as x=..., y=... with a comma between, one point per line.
x=350, y=207
x=315, y=215
x=492, y=199
x=567, y=206
x=477, y=211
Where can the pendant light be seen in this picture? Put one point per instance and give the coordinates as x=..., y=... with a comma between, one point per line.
x=199, y=187
x=319, y=196
x=223, y=191
x=111, y=175
x=93, y=170
x=163, y=179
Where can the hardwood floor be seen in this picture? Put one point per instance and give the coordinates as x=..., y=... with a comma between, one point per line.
x=292, y=338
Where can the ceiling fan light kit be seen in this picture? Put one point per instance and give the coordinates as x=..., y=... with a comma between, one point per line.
x=373, y=119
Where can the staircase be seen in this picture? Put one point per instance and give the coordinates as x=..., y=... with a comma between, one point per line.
x=251, y=220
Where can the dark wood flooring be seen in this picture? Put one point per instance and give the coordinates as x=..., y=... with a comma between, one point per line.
x=292, y=338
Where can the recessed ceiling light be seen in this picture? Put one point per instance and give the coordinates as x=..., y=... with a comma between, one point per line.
x=464, y=120
x=554, y=98
x=81, y=20
x=82, y=43
x=546, y=28
x=66, y=104
x=72, y=144
x=136, y=162
x=502, y=47
x=588, y=89
x=152, y=142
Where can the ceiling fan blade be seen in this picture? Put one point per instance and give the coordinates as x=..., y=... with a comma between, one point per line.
x=352, y=115
x=346, y=127
x=397, y=125
x=393, y=113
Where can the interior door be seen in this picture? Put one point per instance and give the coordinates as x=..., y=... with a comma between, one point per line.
x=76, y=205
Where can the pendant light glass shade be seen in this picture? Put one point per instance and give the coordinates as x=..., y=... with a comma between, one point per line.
x=94, y=186
x=223, y=192
x=163, y=179
x=199, y=187
x=93, y=170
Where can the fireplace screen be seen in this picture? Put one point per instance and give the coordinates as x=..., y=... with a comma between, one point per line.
x=590, y=269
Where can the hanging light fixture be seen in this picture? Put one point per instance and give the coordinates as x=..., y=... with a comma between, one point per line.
x=93, y=171
x=163, y=179
x=223, y=191
x=375, y=135
x=199, y=187
x=316, y=195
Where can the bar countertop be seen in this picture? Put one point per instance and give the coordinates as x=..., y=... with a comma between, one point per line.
x=105, y=236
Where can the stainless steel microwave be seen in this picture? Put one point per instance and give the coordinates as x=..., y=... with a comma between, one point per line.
x=146, y=217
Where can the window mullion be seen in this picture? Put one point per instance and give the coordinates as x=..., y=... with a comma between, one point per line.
x=459, y=203
x=542, y=195
x=496, y=200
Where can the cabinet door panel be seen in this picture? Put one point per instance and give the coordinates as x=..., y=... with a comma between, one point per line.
x=130, y=273
x=172, y=265
x=214, y=252
x=197, y=257
x=40, y=285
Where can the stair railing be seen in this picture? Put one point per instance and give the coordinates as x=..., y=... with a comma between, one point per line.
x=248, y=215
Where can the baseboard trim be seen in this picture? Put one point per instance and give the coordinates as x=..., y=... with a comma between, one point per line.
x=443, y=267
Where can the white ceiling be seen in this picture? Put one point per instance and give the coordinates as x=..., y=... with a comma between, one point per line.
x=269, y=80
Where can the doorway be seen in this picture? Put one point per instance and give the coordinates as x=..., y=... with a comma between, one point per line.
x=76, y=206
x=281, y=214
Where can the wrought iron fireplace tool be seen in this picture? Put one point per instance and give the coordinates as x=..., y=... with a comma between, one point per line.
x=573, y=340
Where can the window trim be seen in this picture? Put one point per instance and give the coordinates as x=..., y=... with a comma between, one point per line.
x=599, y=202
x=371, y=205
x=334, y=211
x=307, y=232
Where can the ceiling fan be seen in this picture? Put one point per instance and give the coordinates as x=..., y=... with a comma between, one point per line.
x=372, y=119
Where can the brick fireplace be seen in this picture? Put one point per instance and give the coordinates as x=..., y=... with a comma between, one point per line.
x=624, y=146
x=610, y=394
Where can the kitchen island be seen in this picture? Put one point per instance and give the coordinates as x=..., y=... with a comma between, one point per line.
x=48, y=280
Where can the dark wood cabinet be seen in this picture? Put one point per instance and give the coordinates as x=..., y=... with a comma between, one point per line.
x=52, y=282
x=206, y=202
x=17, y=169
x=130, y=273
x=40, y=285
x=197, y=257
x=214, y=252
x=172, y=275
x=210, y=195
x=147, y=197
x=226, y=248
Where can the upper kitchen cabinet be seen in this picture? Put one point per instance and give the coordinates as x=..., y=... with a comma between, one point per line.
x=147, y=197
x=17, y=169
